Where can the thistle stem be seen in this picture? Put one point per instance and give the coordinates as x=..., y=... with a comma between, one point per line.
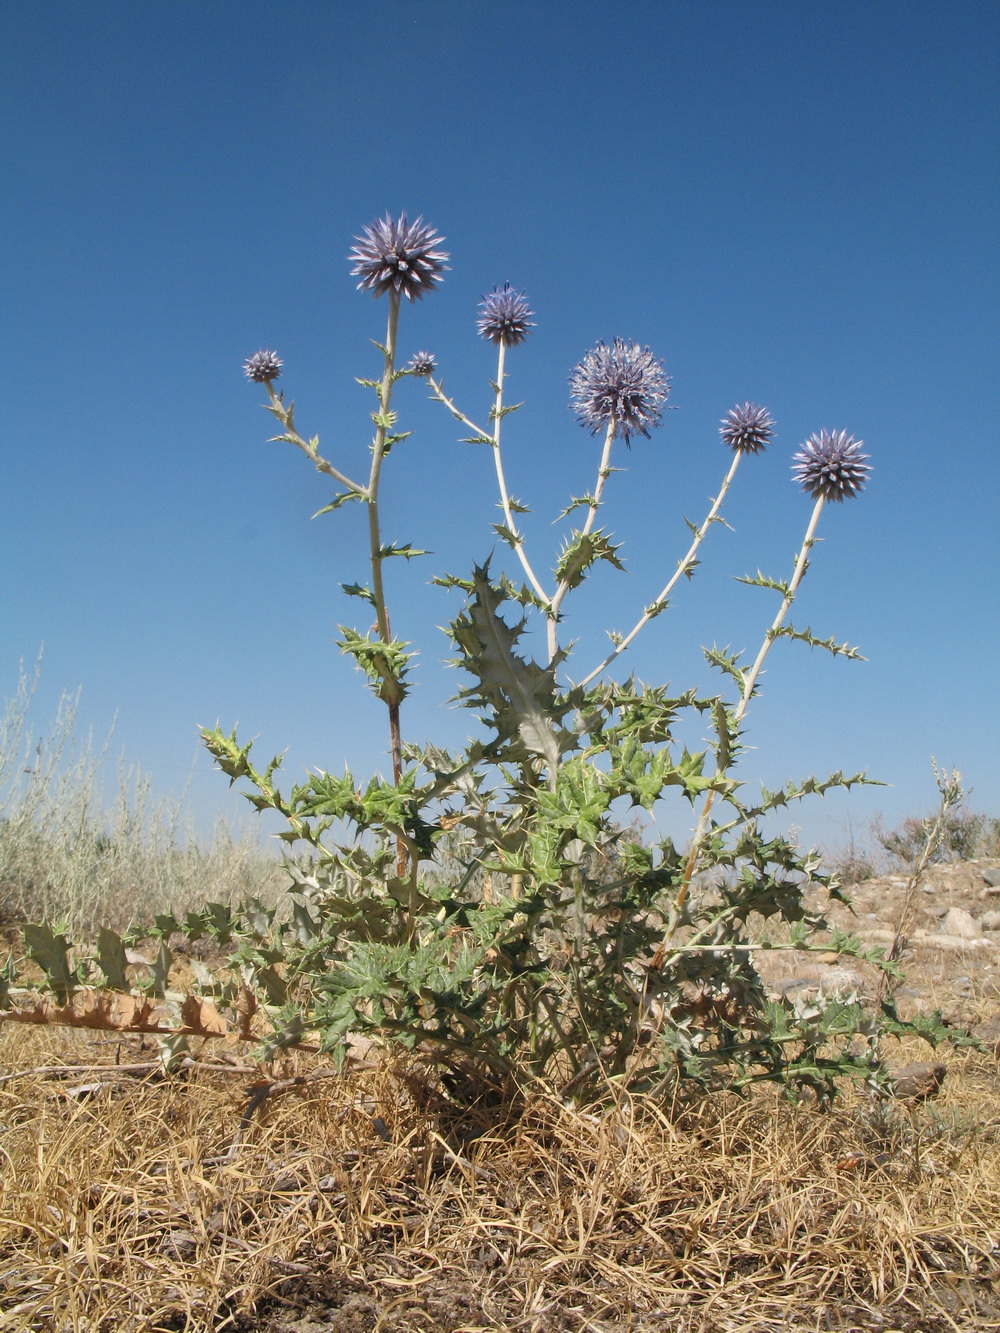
x=493, y=439
x=308, y=447
x=517, y=539
x=682, y=568
x=603, y=472
x=749, y=684
x=375, y=553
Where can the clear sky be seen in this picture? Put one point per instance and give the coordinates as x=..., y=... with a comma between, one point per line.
x=791, y=203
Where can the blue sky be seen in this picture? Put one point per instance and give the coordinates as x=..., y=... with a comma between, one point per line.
x=795, y=204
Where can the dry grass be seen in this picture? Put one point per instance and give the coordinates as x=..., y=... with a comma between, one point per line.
x=351, y=1204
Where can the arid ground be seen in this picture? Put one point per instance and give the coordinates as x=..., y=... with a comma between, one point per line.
x=134, y=1203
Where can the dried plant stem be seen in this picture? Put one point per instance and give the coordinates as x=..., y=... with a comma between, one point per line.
x=749, y=684
x=952, y=796
x=603, y=472
x=683, y=567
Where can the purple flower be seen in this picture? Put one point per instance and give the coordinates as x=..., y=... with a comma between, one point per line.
x=747, y=429
x=262, y=367
x=624, y=385
x=505, y=317
x=422, y=364
x=400, y=255
x=831, y=466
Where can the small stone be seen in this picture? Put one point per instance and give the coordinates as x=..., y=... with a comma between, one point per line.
x=992, y=877
x=957, y=921
x=917, y=1082
x=990, y=921
x=938, y=912
x=828, y=958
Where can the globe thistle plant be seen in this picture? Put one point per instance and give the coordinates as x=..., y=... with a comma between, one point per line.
x=747, y=429
x=621, y=387
x=422, y=364
x=505, y=316
x=831, y=466
x=399, y=256
x=262, y=367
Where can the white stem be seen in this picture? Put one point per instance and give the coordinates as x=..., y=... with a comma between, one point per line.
x=322, y=464
x=749, y=683
x=684, y=565
x=603, y=472
x=517, y=539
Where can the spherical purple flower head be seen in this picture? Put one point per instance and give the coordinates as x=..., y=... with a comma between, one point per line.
x=831, y=466
x=422, y=363
x=624, y=384
x=400, y=255
x=747, y=429
x=505, y=317
x=262, y=367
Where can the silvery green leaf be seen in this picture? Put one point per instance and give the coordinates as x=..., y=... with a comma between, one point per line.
x=521, y=692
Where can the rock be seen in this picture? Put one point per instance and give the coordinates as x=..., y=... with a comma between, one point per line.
x=917, y=1082
x=989, y=1034
x=957, y=921
x=992, y=877
x=790, y=985
x=990, y=921
x=954, y=942
x=839, y=981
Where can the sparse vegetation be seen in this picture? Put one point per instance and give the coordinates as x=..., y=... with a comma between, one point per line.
x=69, y=854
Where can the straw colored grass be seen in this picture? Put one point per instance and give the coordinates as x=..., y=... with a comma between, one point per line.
x=354, y=1203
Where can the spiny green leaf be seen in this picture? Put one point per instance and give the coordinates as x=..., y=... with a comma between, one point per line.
x=407, y=552
x=580, y=552
x=762, y=581
x=806, y=636
x=575, y=503
x=51, y=952
x=359, y=590
x=338, y=500
x=112, y=960
x=727, y=662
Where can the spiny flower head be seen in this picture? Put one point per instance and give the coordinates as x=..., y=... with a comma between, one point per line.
x=262, y=367
x=747, y=429
x=623, y=384
x=422, y=363
x=398, y=254
x=505, y=316
x=831, y=466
